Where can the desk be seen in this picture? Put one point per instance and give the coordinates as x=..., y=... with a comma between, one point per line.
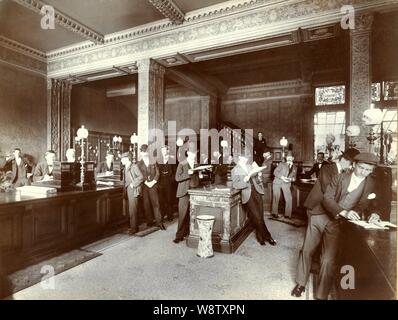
x=373, y=254
x=34, y=228
x=231, y=226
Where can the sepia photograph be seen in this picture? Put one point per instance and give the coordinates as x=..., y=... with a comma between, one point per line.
x=198, y=154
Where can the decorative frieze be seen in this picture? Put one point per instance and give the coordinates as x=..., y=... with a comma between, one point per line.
x=256, y=20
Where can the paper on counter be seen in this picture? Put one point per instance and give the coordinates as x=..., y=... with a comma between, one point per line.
x=36, y=190
x=382, y=225
x=204, y=167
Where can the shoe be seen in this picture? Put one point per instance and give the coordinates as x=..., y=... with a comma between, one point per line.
x=262, y=243
x=131, y=232
x=162, y=226
x=271, y=241
x=170, y=219
x=297, y=291
x=177, y=240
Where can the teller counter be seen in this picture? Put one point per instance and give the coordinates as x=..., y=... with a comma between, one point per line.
x=231, y=226
x=37, y=227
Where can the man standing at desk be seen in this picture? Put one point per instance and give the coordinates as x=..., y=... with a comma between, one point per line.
x=166, y=183
x=44, y=170
x=285, y=173
x=317, y=218
x=320, y=162
x=19, y=168
x=187, y=178
x=107, y=165
x=347, y=196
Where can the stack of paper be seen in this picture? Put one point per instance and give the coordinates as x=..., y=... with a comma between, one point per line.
x=35, y=190
x=381, y=225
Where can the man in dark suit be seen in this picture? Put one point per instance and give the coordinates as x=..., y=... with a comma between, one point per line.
x=259, y=147
x=267, y=178
x=44, y=170
x=251, y=194
x=150, y=171
x=320, y=161
x=166, y=183
x=346, y=196
x=187, y=178
x=285, y=173
x=133, y=180
x=19, y=168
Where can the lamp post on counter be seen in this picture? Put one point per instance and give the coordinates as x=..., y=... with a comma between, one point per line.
x=283, y=142
x=81, y=136
x=134, y=146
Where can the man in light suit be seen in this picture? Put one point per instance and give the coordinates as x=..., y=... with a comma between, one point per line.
x=251, y=194
x=133, y=180
x=317, y=218
x=187, y=178
x=347, y=196
x=285, y=173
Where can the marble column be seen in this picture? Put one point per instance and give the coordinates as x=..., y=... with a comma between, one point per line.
x=209, y=106
x=150, y=98
x=58, y=116
x=360, y=75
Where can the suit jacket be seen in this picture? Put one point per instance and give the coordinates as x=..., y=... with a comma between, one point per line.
x=133, y=180
x=282, y=170
x=267, y=173
x=238, y=174
x=336, y=189
x=166, y=173
x=40, y=171
x=150, y=173
x=22, y=173
x=315, y=169
x=185, y=180
x=326, y=174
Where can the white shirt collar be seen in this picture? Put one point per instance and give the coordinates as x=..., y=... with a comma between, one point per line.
x=191, y=163
x=354, y=182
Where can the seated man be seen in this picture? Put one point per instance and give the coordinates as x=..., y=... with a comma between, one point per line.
x=20, y=170
x=107, y=165
x=251, y=194
x=320, y=162
x=44, y=170
x=285, y=173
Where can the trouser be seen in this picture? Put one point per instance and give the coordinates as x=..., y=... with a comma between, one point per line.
x=320, y=229
x=256, y=216
x=183, y=217
x=267, y=199
x=276, y=194
x=166, y=199
x=151, y=200
x=133, y=212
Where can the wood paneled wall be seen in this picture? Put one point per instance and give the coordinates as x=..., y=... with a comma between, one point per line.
x=277, y=109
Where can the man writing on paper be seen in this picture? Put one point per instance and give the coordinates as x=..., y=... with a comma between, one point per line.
x=347, y=196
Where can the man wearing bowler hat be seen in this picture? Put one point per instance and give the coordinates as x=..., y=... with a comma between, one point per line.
x=347, y=196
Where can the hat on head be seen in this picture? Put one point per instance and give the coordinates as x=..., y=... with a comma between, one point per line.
x=144, y=148
x=350, y=153
x=367, y=157
x=289, y=154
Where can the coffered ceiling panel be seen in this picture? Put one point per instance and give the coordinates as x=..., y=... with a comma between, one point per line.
x=23, y=25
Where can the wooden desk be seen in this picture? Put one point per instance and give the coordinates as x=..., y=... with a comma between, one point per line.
x=34, y=228
x=373, y=254
x=231, y=226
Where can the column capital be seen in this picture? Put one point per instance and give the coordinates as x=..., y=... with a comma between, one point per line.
x=150, y=65
x=363, y=23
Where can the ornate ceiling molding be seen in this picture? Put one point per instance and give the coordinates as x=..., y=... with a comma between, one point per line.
x=22, y=56
x=169, y=9
x=252, y=21
x=65, y=21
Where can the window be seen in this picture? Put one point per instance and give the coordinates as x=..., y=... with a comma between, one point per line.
x=329, y=133
x=390, y=136
x=384, y=91
x=329, y=95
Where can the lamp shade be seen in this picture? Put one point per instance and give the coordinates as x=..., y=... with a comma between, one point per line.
x=134, y=138
x=119, y=139
x=114, y=139
x=352, y=131
x=283, y=142
x=372, y=116
x=224, y=143
x=82, y=133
